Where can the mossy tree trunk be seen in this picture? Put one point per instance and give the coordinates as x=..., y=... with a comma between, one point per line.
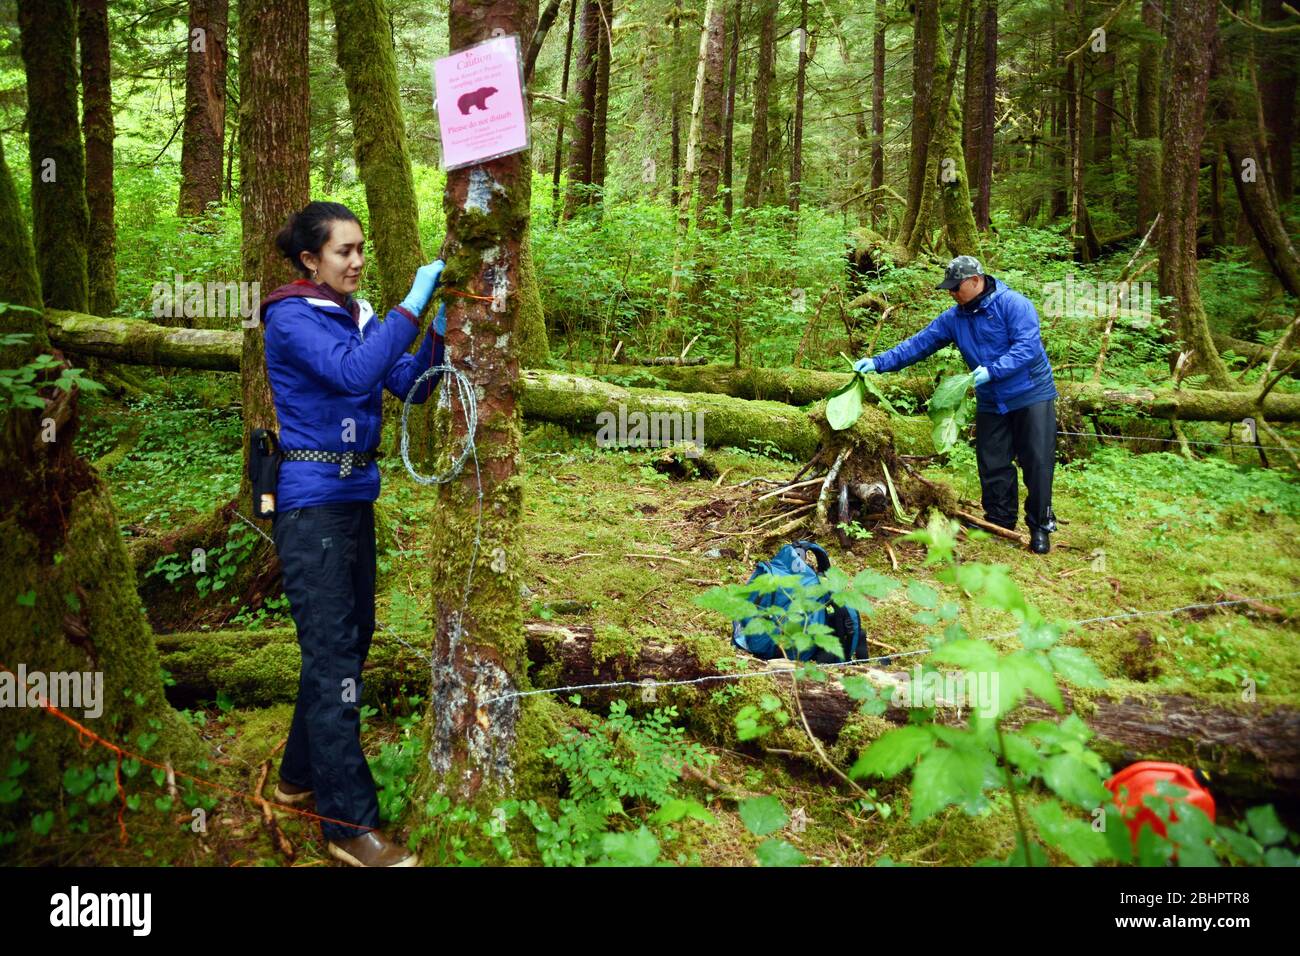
x=945, y=171
x=478, y=644
x=1236, y=107
x=796, y=132
x=925, y=47
x=60, y=216
x=368, y=62
x=202, y=147
x=708, y=168
x=1147, y=144
x=1192, y=26
x=68, y=603
x=584, y=110
x=97, y=124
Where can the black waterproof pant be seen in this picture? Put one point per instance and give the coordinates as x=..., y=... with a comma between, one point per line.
x=1027, y=435
x=327, y=557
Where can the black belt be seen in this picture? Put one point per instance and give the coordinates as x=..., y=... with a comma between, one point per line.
x=346, y=460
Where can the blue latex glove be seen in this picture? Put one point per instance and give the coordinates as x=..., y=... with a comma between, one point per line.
x=426, y=280
x=864, y=365
x=440, y=320
x=981, y=375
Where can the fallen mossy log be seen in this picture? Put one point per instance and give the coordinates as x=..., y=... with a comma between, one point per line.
x=1251, y=752
x=135, y=342
x=1255, y=354
x=557, y=396
x=587, y=404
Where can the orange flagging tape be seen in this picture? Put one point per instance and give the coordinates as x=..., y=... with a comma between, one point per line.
x=469, y=295
x=121, y=791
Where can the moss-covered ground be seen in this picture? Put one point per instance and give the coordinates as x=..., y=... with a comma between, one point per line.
x=613, y=544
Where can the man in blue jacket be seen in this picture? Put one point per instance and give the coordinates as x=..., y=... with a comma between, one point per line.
x=996, y=330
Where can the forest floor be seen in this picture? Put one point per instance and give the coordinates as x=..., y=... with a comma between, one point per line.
x=613, y=544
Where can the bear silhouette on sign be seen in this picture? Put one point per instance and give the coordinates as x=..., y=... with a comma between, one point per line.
x=477, y=98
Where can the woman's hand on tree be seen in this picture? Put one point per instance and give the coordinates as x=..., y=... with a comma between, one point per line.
x=426, y=280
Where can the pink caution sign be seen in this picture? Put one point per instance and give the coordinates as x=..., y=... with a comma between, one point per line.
x=479, y=94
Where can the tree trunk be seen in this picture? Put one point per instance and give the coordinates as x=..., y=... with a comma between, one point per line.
x=1236, y=106
x=709, y=151
x=686, y=195
x=763, y=79
x=945, y=166
x=476, y=554
x=796, y=140
x=978, y=115
x=203, y=143
x=1191, y=31
x=367, y=60
x=97, y=124
x=925, y=46
x=60, y=216
x=564, y=112
x=579, y=193
x=69, y=603
x=273, y=175
x=1146, y=146
x=1279, y=55
x=1103, y=118
x=675, y=107
x=729, y=122
x=877, y=113
x=600, y=121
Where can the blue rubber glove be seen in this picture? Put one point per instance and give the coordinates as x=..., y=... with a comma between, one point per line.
x=426, y=280
x=864, y=365
x=440, y=320
x=981, y=375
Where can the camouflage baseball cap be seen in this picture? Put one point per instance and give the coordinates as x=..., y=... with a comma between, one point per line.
x=961, y=268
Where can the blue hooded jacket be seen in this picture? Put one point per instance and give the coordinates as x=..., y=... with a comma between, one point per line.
x=999, y=330
x=328, y=367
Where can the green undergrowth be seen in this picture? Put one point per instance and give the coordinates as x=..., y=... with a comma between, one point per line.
x=612, y=544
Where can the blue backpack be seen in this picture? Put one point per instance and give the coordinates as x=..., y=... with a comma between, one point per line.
x=805, y=559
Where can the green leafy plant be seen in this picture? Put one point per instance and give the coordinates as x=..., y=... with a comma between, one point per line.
x=951, y=409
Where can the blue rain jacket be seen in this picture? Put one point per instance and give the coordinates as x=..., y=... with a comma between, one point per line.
x=328, y=367
x=998, y=330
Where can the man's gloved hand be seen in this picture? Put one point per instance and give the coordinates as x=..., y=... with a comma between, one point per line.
x=864, y=365
x=426, y=280
x=981, y=375
x=440, y=320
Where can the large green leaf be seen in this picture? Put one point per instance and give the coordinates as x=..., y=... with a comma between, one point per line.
x=845, y=406
x=945, y=776
x=1073, y=837
x=892, y=751
x=763, y=815
x=950, y=409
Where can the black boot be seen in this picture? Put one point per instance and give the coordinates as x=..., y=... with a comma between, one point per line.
x=1040, y=541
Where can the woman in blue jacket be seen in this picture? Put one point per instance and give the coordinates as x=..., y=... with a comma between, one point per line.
x=996, y=330
x=329, y=360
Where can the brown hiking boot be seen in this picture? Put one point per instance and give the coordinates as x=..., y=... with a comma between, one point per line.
x=372, y=849
x=292, y=794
